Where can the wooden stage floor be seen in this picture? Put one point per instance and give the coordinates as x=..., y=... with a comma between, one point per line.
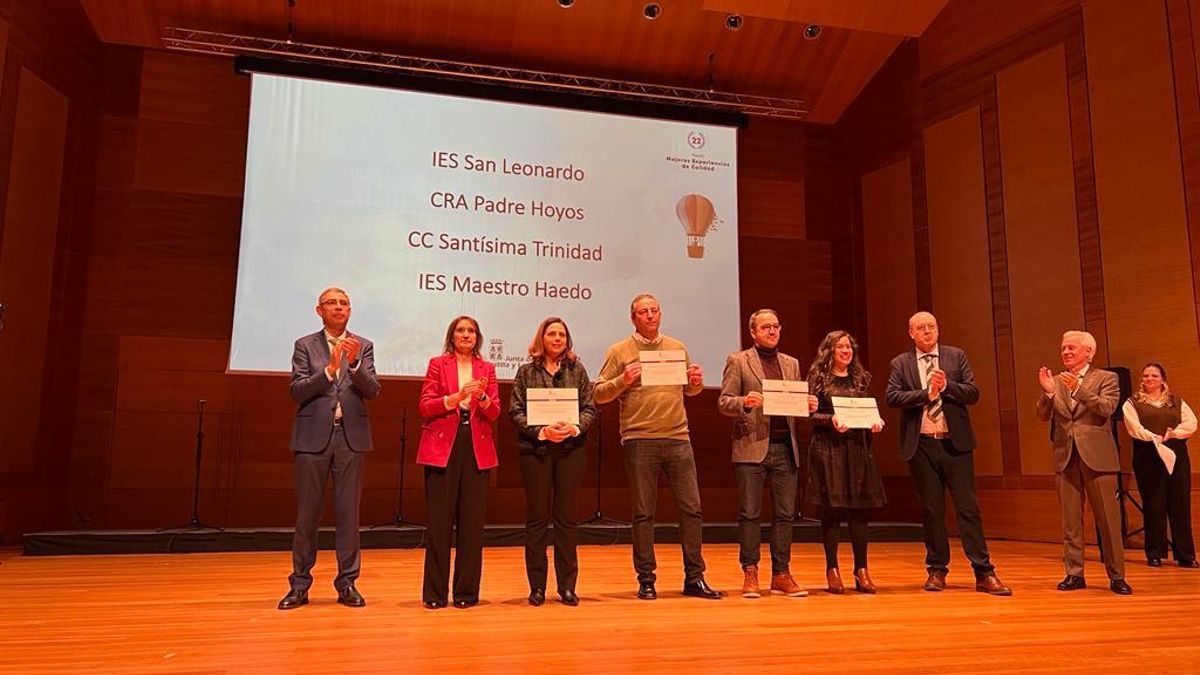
x=215, y=612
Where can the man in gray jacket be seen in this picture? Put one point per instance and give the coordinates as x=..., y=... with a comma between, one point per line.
x=765, y=448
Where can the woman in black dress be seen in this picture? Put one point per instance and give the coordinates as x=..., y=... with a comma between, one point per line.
x=843, y=477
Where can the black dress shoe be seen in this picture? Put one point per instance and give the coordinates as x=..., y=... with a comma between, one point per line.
x=1119, y=587
x=434, y=604
x=350, y=597
x=1153, y=562
x=1193, y=563
x=569, y=598
x=294, y=599
x=646, y=591
x=1072, y=583
x=464, y=604
x=537, y=597
x=699, y=589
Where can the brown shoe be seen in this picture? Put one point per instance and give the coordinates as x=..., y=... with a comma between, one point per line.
x=936, y=580
x=992, y=585
x=862, y=581
x=833, y=579
x=784, y=584
x=750, y=584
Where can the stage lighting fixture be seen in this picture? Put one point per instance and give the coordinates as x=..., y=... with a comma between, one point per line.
x=733, y=21
x=812, y=31
x=651, y=10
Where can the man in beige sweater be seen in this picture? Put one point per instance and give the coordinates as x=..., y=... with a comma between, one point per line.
x=654, y=437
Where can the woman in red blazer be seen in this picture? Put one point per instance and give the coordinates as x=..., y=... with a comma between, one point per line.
x=459, y=404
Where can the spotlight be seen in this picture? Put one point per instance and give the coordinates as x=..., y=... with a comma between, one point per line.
x=651, y=10
x=812, y=31
x=565, y=3
x=733, y=21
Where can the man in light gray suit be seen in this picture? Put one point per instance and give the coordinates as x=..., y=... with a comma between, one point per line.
x=333, y=375
x=764, y=448
x=1079, y=403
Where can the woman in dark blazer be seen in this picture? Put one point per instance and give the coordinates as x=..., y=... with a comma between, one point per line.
x=458, y=449
x=552, y=458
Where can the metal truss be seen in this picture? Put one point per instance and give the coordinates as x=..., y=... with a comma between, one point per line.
x=206, y=42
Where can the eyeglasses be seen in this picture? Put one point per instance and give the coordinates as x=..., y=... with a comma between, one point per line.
x=769, y=326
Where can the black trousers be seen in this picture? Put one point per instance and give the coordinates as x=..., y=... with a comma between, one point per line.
x=779, y=468
x=935, y=467
x=312, y=471
x=551, y=483
x=1165, y=497
x=455, y=499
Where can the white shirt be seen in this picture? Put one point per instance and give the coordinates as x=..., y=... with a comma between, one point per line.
x=1133, y=423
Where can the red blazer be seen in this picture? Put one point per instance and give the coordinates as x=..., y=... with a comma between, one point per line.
x=441, y=425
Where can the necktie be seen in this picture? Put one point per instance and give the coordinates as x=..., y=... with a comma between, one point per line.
x=337, y=374
x=932, y=408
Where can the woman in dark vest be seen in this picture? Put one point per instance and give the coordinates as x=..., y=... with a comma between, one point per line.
x=1154, y=415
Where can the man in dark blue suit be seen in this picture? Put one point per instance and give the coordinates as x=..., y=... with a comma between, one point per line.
x=932, y=385
x=333, y=375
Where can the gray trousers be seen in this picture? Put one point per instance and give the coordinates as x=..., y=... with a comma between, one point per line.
x=644, y=459
x=1074, y=482
x=313, y=470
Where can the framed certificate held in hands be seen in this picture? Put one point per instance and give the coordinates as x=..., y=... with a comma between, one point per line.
x=663, y=367
x=544, y=407
x=788, y=398
x=856, y=413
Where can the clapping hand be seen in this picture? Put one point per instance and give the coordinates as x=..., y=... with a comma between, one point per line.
x=351, y=348
x=1046, y=379
x=1069, y=379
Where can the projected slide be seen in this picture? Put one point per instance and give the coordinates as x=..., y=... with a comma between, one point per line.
x=424, y=207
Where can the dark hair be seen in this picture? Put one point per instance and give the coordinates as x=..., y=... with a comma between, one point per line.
x=820, y=375
x=448, y=346
x=537, y=348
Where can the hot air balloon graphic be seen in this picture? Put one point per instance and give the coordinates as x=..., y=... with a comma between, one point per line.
x=696, y=214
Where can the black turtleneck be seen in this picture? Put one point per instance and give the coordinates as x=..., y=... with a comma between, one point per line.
x=772, y=371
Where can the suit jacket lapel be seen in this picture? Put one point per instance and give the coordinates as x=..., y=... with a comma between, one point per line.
x=914, y=375
x=755, y=364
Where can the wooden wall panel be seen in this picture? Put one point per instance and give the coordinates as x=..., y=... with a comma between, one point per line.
x=891, y=289
x=27, y=255
x=771, y=180
x=1045, y=286
x=1148, y=284
x=959, y=257
x=1185, y=36
x=968, y=28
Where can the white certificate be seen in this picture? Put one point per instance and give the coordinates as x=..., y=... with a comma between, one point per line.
x=663, y=367
x=856, y=413
x=1167, y=455
x=788, y=398
x=544, y=407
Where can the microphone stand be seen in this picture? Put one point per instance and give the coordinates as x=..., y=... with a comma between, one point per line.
x=399, y=520
x=195, y=523
x=598, y=517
